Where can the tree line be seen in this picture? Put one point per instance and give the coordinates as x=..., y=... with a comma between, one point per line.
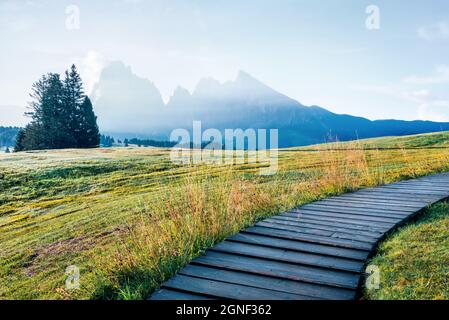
x=106, y=141
x=61, y=115
x=150, y=143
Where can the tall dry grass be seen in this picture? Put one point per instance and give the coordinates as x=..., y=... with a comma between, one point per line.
x=140, y=218
x=200, y=212
x=205, y=209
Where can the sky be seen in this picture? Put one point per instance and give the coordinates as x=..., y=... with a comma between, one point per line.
x=377, y=59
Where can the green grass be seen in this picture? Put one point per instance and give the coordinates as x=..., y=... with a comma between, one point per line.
x=427, y=140
x=440, y=139
x=130, y=218
x=414, y=262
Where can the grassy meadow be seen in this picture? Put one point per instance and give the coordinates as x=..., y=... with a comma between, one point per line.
x=413, y=262
x=129, y=218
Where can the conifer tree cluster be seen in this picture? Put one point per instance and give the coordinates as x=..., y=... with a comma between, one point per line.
x=61, y=114
x=106, y=141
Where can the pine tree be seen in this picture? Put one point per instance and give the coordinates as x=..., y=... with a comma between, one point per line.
x=73, y=101
x=56, y=129
x=61, y=115
x=88, y=135
x=7, y=150
x=19, y=145
x=126, y=142
x=44, y=132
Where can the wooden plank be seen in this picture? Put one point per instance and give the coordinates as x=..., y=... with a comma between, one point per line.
x=314, y=231
x=289, y=256
x=278, y=269
x=167, y=294
x=358, y=211
x=441, y=187
x=224, y=290
x=342, y=243
x=410, y=190
x=380, y=210
x=368, y=201
x=373, y=197
x=397, y=195
x=348, y=226
x=369, y=207
x=387, y=201
x=340, y=235
x=300, y=246
x=432, y=179
x=264, y=282
x=416, y=187
x=440, y=176
x=304, y=224
x=341, y=214
x=419, y=184
x=375, y=207
x=418, y=194
x=430, y=187
x=385, y=226
x=422, y=180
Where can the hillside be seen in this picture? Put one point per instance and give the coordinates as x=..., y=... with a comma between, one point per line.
x=128, y=105
x=128, y=218
x=433, y=140
x=427, y=140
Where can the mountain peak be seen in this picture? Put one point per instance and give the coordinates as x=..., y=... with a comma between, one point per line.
x=207, y=87
x=116, y=68
x=248, y=81
x=180, y=95
x=179, y=90
x=245, y=76
x=124, y=101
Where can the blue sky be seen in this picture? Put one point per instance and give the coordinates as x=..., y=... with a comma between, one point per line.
x=318, y=52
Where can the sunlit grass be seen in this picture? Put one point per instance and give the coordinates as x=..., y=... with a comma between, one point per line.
x=413, y=262
x=130, y=218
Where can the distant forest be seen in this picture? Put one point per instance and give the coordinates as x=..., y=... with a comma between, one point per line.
x=150, y=143
x=8, y=136
x=108, y=141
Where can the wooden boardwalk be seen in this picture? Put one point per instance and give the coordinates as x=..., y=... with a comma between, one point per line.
x=317, y=251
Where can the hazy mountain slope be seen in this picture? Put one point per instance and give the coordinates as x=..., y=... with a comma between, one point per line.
x=8, y=136
x=125, y=102
x=128, y=104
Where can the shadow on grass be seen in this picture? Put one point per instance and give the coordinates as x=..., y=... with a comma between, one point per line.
x=136, y=284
